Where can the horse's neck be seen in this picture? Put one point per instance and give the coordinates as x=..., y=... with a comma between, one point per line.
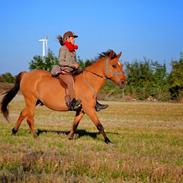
x=94, y=76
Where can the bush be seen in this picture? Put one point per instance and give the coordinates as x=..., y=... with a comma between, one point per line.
x=45, y=63
x=7, y=77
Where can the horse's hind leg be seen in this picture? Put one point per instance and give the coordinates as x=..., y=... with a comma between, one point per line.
x=27, y=112
x=77, y=119
x=30, y=120
x=19, y=121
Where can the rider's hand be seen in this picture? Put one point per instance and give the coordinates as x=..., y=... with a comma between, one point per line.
x=76, y=65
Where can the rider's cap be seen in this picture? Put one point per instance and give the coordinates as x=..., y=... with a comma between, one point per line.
x=69, y=34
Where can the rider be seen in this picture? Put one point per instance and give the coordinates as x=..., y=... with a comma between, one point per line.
x=68, y=63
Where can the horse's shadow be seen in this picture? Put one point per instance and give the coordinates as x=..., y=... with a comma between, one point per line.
x=79, y=133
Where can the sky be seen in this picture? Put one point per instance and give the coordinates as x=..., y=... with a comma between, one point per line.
x=145, y=28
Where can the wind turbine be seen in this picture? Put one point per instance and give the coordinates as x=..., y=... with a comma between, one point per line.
x=45, y=45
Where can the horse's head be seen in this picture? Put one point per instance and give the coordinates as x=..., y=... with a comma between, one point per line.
x=114, y=69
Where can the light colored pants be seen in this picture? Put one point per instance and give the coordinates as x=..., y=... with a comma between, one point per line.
x=68, y=80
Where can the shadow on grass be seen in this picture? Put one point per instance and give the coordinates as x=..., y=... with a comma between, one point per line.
x=79, y=133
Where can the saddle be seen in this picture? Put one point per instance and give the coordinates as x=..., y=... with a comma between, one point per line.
x=56, y=70
x=76, y=72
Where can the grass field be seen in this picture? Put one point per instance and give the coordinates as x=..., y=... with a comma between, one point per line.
x=147, y=146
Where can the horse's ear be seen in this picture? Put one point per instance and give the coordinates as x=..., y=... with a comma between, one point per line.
x=116, y=59
x=111, y=54
x=119, y=55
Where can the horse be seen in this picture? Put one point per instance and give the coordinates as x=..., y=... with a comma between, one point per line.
x=40, y=86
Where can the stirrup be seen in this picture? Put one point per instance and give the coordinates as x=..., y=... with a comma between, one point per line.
x=75, y=105
x=99, y=106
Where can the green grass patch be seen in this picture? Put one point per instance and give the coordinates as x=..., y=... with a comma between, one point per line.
x=147, y=146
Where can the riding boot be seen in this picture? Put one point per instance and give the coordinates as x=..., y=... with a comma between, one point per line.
x=99, y=106
x=74, y=105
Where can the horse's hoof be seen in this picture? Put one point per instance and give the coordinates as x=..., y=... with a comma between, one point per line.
x=35, y=133
x=107, y=141
x=14, y=131
x=38, y=131
x=71, y=137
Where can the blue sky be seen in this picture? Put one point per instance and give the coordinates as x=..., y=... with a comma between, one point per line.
x=143, y=28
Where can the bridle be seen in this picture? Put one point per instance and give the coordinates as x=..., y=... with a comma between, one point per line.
x=107, y=72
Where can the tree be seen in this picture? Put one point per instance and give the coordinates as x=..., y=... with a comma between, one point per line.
x=139, y=76
x=83, y=63
x=176, y=79
x=7, y=77
x=45, y=63
x=146, y=78
x=160, y=86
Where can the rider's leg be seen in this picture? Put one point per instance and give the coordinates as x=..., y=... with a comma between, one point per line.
x=67, y=97
x=69, y=81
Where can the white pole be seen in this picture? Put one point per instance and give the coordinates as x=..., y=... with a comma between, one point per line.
x=44, y=48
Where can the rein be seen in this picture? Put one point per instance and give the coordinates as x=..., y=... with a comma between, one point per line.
x=96, y=74
x=107, y=71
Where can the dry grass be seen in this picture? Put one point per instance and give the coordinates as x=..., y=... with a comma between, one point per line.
x=5, y=87
x=147, y=146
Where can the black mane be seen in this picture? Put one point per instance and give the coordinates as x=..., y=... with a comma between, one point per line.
x=109, y=53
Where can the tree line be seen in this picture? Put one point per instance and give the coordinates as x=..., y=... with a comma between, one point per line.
x=147, y=79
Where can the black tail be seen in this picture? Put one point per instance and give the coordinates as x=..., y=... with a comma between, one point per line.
x=10, y=95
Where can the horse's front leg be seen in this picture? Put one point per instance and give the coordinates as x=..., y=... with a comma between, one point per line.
x=93, y=116
x=77, y=119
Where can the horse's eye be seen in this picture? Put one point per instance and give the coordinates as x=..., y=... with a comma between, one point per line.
x=114, y=66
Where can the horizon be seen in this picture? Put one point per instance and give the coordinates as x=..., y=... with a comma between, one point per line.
x=141, y=29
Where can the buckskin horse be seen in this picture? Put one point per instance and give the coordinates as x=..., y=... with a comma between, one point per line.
x=39, y=85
